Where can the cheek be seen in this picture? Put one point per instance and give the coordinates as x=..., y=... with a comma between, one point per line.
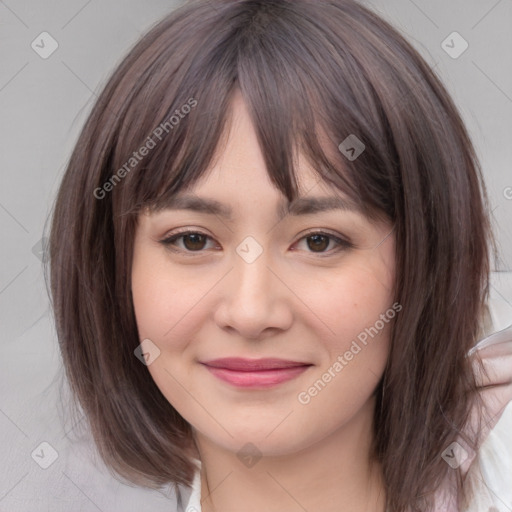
x=355, y=359
x=355, y=314
x=152, y=294
x=357, y=347
x=344, y=304
x=169, y=317
x=166, y=303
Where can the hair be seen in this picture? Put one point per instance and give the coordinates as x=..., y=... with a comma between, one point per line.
x=311, y=72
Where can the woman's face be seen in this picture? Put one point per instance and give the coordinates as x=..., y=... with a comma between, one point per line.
x=260, y=285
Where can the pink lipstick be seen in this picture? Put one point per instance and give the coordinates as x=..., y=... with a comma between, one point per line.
x=255, y=373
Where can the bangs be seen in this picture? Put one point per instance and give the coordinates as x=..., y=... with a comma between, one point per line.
x=182, y=109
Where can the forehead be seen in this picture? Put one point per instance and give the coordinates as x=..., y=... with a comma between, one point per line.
x=237, y=180
x=239, y=162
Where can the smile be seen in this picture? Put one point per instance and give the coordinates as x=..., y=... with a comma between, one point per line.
x=260, y=373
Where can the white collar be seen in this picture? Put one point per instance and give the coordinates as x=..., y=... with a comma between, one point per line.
x=190, y=497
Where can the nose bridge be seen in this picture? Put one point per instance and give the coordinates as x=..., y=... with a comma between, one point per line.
x=253, y=301
x=252, y=276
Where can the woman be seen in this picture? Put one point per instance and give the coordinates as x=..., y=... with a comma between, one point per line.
x=276, y=263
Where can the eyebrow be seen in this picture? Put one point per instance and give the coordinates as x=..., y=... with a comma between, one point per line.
x=299, y=206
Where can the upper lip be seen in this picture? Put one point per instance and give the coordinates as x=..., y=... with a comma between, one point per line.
x=246, y=365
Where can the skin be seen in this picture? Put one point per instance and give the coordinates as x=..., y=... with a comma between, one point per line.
x=293, y=302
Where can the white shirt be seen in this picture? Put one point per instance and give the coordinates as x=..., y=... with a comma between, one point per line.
x=189, y=498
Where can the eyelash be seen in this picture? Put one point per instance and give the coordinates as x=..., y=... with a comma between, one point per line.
x=169, y=241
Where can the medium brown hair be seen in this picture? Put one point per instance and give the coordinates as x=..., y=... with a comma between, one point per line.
x=305, y=68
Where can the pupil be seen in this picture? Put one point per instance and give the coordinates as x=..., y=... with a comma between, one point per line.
x=196, y=241
x=318, y=238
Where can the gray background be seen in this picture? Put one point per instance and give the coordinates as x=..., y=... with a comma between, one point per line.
x=43, y=104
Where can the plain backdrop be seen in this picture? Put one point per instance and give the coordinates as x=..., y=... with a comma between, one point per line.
x=43, y=104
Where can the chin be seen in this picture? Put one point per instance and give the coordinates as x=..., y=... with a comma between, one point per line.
x=263, y=440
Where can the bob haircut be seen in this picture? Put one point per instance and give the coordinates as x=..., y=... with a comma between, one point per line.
x=312, y=72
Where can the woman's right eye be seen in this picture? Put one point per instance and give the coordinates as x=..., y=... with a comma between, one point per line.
x=192, y=241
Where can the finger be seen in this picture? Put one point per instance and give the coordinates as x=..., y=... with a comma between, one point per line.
x=495, y=368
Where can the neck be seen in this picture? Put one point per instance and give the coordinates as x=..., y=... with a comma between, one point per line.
x=332, y=475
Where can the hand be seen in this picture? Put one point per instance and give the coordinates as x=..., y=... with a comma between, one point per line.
x=494, y=379
x=495, y=382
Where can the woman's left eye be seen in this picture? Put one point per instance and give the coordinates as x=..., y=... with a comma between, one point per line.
x=195, y=242
x=319, y=241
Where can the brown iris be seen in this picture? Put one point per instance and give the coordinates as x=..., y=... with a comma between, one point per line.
x=319, y=242
x=197, y=241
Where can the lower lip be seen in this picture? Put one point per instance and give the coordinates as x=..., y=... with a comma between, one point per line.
x=257, y=379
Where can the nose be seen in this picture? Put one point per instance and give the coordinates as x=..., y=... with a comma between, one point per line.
x=255, y=302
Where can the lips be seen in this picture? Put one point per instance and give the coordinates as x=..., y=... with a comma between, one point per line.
x=240, y=364
x=255, y=373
